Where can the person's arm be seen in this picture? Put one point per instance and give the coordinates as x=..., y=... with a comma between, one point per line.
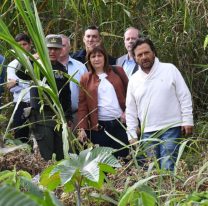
x=11, y=77
x=186, y=130
x=184, y=98
x=20, y=72
x=123, y=118
x=82, y=135
x=131, y=114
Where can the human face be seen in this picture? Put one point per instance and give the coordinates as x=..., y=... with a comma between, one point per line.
x=66, y=48
x=97, y=61
x=144, y=56
x=54, y=54
x=131, y=36
x=25, y=45
x=91, y=36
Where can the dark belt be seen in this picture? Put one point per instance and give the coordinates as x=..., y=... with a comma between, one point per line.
x=26, y=104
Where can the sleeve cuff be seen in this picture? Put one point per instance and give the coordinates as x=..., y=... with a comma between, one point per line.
x=131, y=134
x=188, y=122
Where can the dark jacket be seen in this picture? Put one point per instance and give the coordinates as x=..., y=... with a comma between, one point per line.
x=80, y=56
x=64, y=96
x=88, y=105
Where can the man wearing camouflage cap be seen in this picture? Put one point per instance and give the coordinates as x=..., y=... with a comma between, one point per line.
x=49, y=139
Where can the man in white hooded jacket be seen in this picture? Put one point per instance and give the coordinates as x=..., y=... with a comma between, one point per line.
x=159, y=91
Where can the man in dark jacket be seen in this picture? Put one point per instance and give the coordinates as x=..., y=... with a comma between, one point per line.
x=48, y=137
x=92, y=35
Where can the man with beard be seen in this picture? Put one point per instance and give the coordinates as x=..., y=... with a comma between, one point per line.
x=127, y=61
x=158, y=93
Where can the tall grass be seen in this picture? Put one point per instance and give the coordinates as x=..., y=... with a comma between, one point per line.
x=35, y=30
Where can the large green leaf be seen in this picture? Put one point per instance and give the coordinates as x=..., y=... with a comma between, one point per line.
x=97, y=152
x=73, y=157
x=31, y=187
x=57, y=169
x=96, y=184
x=47, y=171
x=50, y=181
x=5, y=174
x=106, y=168
x=148, y=199
x=108, y=159
x=51, y=199
x=67, y=169
x=25, y=174
x=9, y=196
x=67, y=174
x=68, y=187
x=91, y=171
x=83, y=166
x=54, y=183
x=102, y=155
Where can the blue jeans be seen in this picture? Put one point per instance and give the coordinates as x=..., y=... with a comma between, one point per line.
x=169, y=147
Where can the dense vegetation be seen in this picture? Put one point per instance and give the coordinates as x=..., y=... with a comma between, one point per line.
x=178, y=28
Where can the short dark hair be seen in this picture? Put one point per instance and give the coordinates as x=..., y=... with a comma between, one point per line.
x=141, y=41
x=94, y=28
x=22, y=37
x=139, y=33
x=97, y=47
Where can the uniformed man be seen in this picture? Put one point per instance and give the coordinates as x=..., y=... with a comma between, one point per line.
x=49, y=139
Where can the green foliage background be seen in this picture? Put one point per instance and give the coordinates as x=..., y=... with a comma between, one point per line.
x=177, y=27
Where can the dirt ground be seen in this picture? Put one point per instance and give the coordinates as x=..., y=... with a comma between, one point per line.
x=35, y=164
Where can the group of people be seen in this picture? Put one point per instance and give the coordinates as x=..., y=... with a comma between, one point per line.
x=136, y=89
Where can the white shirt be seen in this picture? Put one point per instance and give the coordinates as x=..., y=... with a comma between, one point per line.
x=72, y=66
x=22, y=84
x=162, y=95
x=108, y=105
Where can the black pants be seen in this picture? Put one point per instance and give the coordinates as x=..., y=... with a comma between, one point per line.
x=48, y=138
x=20, y=120
x=114, y=128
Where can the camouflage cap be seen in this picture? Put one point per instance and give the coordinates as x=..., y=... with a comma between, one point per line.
x=53, y=40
